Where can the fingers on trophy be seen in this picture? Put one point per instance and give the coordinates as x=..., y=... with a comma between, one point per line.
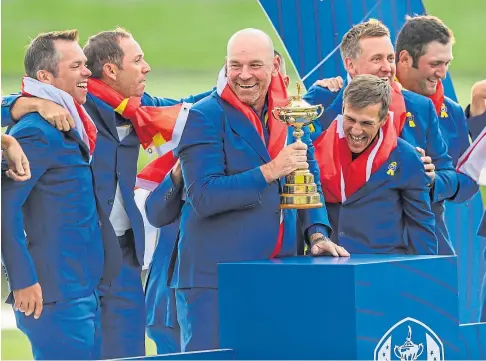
x=299, y=191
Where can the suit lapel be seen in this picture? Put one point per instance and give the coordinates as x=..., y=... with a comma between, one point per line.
x=107, y=115
x=384, y=174
x=131, y=139
x=73, y=134
x=243, y=127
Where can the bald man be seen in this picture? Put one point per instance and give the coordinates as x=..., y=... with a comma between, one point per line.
x=233, y=157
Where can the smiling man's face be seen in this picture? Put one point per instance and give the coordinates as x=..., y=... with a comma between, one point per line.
x=250, y=65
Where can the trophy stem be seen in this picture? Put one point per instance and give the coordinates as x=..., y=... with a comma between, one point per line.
x=298, y=133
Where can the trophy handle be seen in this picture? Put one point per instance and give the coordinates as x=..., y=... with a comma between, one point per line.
x=322, y=110
x=421, y=349
x=397, y=354
x=278, y=114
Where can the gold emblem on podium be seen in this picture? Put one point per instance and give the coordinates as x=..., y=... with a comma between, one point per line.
x=299, y=191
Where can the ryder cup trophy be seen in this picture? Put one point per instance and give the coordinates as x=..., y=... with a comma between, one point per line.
x=299, y=191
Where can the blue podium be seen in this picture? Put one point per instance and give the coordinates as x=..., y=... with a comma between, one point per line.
x=363, y=307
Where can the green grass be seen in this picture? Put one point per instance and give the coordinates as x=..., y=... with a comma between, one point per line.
x=16, y=346
x=175, y=35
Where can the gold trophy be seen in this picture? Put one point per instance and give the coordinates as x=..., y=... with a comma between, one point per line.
x=299, y=191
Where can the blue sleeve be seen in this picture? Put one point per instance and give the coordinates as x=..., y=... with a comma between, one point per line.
x=7, y=104
x=467, y=187
x=162, y=102
x=446, y=183
x=209, y=190
x=418, y=216
x=320, y=95
x=15, y=255
x=164, y=204
x=476, y=125
x=315, y=219
x=318, y=228
x=332, y=103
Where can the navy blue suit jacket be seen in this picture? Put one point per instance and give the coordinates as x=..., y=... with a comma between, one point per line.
x=62, y=247
x=423, y=132
x=231, y=214
x=114, y=160
x=391, y=213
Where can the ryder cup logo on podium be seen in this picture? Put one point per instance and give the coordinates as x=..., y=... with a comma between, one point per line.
x=409, y=340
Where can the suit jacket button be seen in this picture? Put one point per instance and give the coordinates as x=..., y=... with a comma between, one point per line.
x=110, y=201
x=341, y=234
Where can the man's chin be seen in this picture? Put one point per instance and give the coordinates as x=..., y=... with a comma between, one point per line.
x=356, y=150
x=246, y=99
x=80, y=99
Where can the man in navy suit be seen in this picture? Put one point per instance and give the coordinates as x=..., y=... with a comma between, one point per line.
x=55, y=266
x=233, y=157
x=367, y=49
x=118, y=66
x=163, y=209
x=370, y=171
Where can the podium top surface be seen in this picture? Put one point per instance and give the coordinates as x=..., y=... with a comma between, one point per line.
x=354, y=260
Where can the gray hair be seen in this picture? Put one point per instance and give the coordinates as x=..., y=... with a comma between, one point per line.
x=41, y=53
x=350, y=46
x=105, y=48
x=365, y=90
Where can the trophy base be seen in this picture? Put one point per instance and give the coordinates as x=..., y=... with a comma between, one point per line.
x=301, y=201
x=300, y=191
x=301, y=206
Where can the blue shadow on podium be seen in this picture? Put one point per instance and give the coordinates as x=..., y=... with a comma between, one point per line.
x=473, y=341
x=199, y=355
x=363, y=307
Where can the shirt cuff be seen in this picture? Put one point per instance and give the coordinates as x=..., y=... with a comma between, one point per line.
x=316, y=228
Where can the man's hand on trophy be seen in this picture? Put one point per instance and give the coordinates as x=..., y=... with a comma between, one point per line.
x=290, y=158
x=333, y=84
x=323, y=246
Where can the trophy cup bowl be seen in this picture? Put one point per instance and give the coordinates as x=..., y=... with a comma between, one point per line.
x=299, y=191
